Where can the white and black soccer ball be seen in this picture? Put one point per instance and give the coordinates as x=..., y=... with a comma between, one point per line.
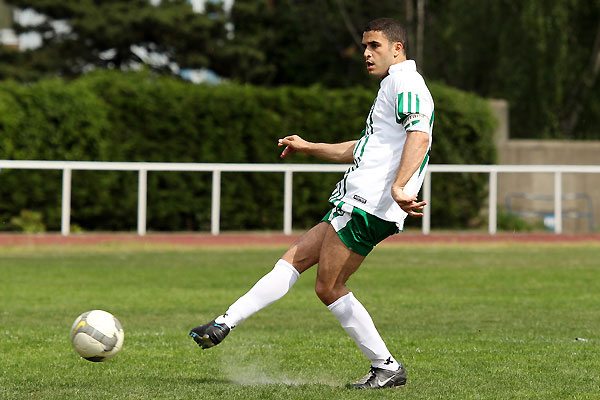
x=97, y=335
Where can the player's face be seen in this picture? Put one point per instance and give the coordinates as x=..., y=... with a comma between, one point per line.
x=379, y=53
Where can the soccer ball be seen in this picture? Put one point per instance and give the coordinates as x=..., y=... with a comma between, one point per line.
x=97, y=335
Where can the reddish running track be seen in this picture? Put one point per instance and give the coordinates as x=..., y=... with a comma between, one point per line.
x=278, y=239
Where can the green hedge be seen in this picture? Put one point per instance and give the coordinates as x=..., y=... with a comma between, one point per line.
x=113, y=116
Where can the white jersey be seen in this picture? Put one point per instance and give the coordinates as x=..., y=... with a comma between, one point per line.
x=403, y=104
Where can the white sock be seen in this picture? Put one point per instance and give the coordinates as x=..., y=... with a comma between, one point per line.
x=266, y=291
x=357, y=322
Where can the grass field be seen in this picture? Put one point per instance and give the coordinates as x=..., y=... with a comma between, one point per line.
x=469, y=322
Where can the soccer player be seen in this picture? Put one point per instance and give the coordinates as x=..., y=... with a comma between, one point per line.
x=370, y=203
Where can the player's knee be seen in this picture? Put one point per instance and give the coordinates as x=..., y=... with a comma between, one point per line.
x=325, y=292
x=299, y=262
x=322, y=289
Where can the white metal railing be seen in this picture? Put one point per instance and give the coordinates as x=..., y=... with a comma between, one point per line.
x=288, y=169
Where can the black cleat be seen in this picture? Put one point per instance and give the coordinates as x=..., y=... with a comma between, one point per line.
x=210, y=334
x=379, y=378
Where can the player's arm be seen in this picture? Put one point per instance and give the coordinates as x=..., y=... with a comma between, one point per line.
x=415, y=149
x=337, y=152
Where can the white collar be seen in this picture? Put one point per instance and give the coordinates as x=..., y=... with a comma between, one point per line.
x=407, y=65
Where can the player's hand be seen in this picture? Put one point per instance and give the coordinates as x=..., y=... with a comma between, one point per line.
x=409, y=204
x=292, y=144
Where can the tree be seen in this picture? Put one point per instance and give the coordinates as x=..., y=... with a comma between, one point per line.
x=581, y=93
x=303, y=42
x=541, y=55
x=119, y=33
x=533, y=53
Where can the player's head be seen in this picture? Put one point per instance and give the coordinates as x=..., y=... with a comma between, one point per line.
x=384, y=40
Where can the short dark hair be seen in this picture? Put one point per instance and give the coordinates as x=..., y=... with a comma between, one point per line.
x=393, y=30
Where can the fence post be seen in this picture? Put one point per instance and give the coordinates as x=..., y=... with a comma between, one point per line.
x=142, y=201
x=215, y=213
x=557, y=202
x=65, y=226
x=287, y=202
x=426, y=223
x=493, y=203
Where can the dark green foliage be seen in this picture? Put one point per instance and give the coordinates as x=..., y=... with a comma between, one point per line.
x=47, y=121
x=461, y=135
x=508, y=221
x=537, y=54
x=532, y=53
x=28, y=221
x=101, y=34
x=111, y=116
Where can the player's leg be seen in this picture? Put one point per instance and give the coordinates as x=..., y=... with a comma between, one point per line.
x=303, y=254
x=336, y=264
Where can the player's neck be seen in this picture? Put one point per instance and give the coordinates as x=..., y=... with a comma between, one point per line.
x=399, y=59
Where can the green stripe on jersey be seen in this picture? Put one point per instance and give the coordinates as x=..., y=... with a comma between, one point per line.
x=401, y=103
x=368, y=135
x=423, y=163
x=408, y=103
x=399, y=111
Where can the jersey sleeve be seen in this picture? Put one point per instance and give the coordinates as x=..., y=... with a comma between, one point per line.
x=414, y=109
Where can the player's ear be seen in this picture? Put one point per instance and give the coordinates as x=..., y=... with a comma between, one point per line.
x=398, y=48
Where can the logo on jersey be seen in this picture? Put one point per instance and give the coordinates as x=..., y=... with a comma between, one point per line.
x=360, y=199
